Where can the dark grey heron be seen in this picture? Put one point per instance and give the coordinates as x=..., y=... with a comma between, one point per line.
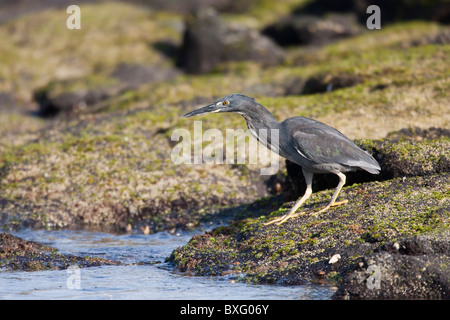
x=315, y=146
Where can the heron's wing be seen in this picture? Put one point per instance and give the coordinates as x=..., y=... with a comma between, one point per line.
x=321, y=144
x=320, y=147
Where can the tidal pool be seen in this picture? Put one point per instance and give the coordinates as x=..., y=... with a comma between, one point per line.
x=143, y=274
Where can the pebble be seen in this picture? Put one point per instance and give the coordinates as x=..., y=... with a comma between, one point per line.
x=335, y=258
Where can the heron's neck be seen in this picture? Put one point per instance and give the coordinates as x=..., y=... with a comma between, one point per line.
x=260, y=119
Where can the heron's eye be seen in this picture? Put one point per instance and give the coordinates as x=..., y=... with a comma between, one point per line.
x=226, y=102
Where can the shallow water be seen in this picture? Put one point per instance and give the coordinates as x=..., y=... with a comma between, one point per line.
x=143, y=275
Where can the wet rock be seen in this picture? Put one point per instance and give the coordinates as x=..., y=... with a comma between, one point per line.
x=397, y=228
x=20, y=254
x=406, y=218
x=209, y=41
x=311, y=30
x=413, y=268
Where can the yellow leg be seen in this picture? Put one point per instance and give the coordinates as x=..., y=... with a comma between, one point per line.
x=291, y=214
x=332, y=203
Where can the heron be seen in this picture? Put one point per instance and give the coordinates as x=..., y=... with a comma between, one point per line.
x=316, y=147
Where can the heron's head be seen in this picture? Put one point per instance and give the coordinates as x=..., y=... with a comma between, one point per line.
x=237, y=103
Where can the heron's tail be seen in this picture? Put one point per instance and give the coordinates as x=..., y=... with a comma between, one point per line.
x=365, y=162
x=372, y=169
x=370, y=164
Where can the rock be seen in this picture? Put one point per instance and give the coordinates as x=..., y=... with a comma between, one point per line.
x=68, y=103
x=397, y=228
x=335, y=258
x=311, y=30
x=328, y=82
x=322, y=82
x=407, y=158
x=74, y=96
x=134, y=75
x=441, y=38
x=19, y=254
x=53, y=102
x=413, y=212
x=414, y=268
x=209, y=41
x=419, y=134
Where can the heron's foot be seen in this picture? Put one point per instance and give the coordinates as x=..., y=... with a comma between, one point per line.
x=328, y=206
x=285, y=218
x=339, y=203
x=290, y=215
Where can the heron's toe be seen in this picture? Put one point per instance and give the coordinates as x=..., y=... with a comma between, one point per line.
x=339, y=203
x=272, y=221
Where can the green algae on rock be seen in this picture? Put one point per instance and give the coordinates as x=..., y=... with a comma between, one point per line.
x=413, y=268
x=109, y=166
x=19, y=254
x=300, y=250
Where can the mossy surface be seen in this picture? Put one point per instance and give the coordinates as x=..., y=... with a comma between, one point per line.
x=19, y=254
x=107, y=164
x=110, y=166
x=300, y=249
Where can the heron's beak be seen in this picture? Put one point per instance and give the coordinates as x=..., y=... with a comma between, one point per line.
x=208, y=109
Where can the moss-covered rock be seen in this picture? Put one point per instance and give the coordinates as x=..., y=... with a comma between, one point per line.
x=112, y=169
x=407, y=158
x=115, y=171
x=209, y=41
x=19, y=254
x=300, y=250
x=413, y=268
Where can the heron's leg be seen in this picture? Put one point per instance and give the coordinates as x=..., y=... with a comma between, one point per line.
x=333, y=202
x=291, y=214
